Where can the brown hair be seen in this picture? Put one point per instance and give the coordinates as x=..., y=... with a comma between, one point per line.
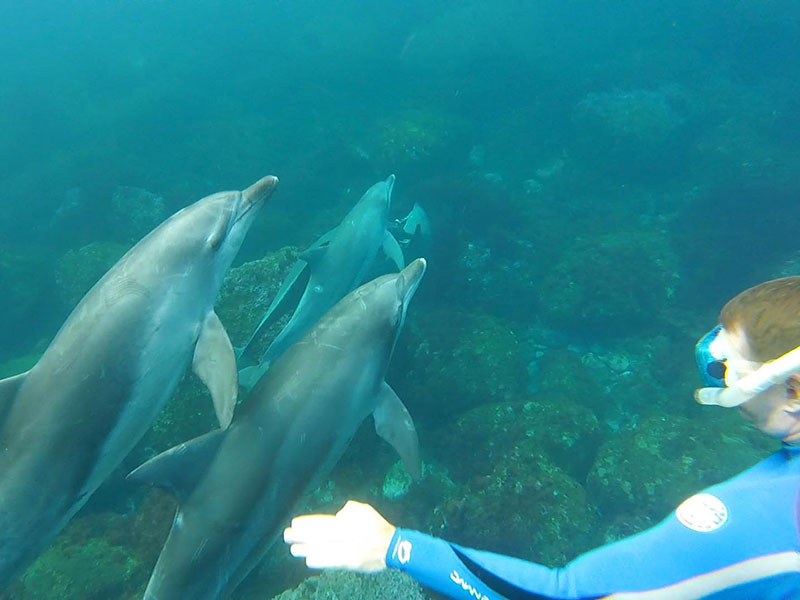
x=769, y=317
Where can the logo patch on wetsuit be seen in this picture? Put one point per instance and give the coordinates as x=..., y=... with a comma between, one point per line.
x=702, y=512
x=404, y=552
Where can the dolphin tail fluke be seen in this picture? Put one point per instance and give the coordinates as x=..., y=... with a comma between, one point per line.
x=8, y=391
x=178, y=469
x=394, y=424
x=215, y=363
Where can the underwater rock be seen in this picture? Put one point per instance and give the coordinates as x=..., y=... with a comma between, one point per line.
x=79, y=269
x=495, y=481
x=84, y=569
x=622, y=382
x=647, y=115
x=610, y=284
x=71, y=213
x=647, y=472
x=415, y=142
x=561, y=371
x=633, y=132
x=25, y=287
x=330, y=585
x=450, y=362
x=397, y=482
x=501, y=278
x=567, y=433
x=248, y=291
x=524, y=506
x=714, y=245
x=188, y=413
x=135, y=212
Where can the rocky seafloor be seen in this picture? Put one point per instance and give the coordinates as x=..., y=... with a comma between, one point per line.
x=547, y=358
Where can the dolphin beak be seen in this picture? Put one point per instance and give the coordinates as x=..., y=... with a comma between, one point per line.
x=411, y=276
x=389, y=187
x=258, y=193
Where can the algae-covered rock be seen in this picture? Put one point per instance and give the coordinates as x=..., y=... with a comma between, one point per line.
x=335, y=585
x=501, y=479
x=612, y=284
x=90, y=570
x=414, y=140
x=188, y=414
x=24, y=283
x=248, y=291
x=647, y=472
x=449, y=362
x=525, y=506
x=618, y=385
x=634, y=132
x=79, y=269
x=563, y=430
x=135, y=212
x=561, y=371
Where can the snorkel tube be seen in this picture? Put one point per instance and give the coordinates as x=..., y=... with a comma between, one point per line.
x=740, y=391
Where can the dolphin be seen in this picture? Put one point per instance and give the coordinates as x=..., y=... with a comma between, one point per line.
x=236, y=488
x=417, y=233
x=333, y=266
x=70, y=420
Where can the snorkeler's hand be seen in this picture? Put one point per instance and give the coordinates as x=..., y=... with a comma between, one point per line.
x=356, y=538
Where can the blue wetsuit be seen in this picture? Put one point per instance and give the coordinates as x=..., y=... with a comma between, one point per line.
x=739, y=539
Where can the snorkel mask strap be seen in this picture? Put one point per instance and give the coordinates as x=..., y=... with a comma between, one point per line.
x=739, y=392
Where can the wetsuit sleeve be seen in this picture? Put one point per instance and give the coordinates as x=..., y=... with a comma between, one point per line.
x=739, y=539
x=668, y=558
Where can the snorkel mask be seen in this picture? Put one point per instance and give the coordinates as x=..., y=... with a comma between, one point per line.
x=711, y=359
x=720, y=371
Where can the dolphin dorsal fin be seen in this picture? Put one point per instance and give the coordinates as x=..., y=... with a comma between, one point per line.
x=178, y=469
x=394, y=424
x=313, y=255
x=9, y=388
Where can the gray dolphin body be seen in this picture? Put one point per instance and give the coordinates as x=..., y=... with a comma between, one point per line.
x=337, y=263
x=236, y=488
x=70, y=420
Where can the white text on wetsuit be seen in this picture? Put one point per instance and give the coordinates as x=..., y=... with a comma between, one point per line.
x=456, y=578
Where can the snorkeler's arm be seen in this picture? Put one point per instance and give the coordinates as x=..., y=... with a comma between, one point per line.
x=359, y=538
x=662, y=563
x=753, y=555
x=738, y=538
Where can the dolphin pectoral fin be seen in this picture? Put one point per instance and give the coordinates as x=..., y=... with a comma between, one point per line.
x=215, y=363
x=394, y=424
x=178, y=469
x=391, y=248
x=291, y=290
x=8, y=391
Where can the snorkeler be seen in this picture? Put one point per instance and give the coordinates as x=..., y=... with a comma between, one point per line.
x=738, y=539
